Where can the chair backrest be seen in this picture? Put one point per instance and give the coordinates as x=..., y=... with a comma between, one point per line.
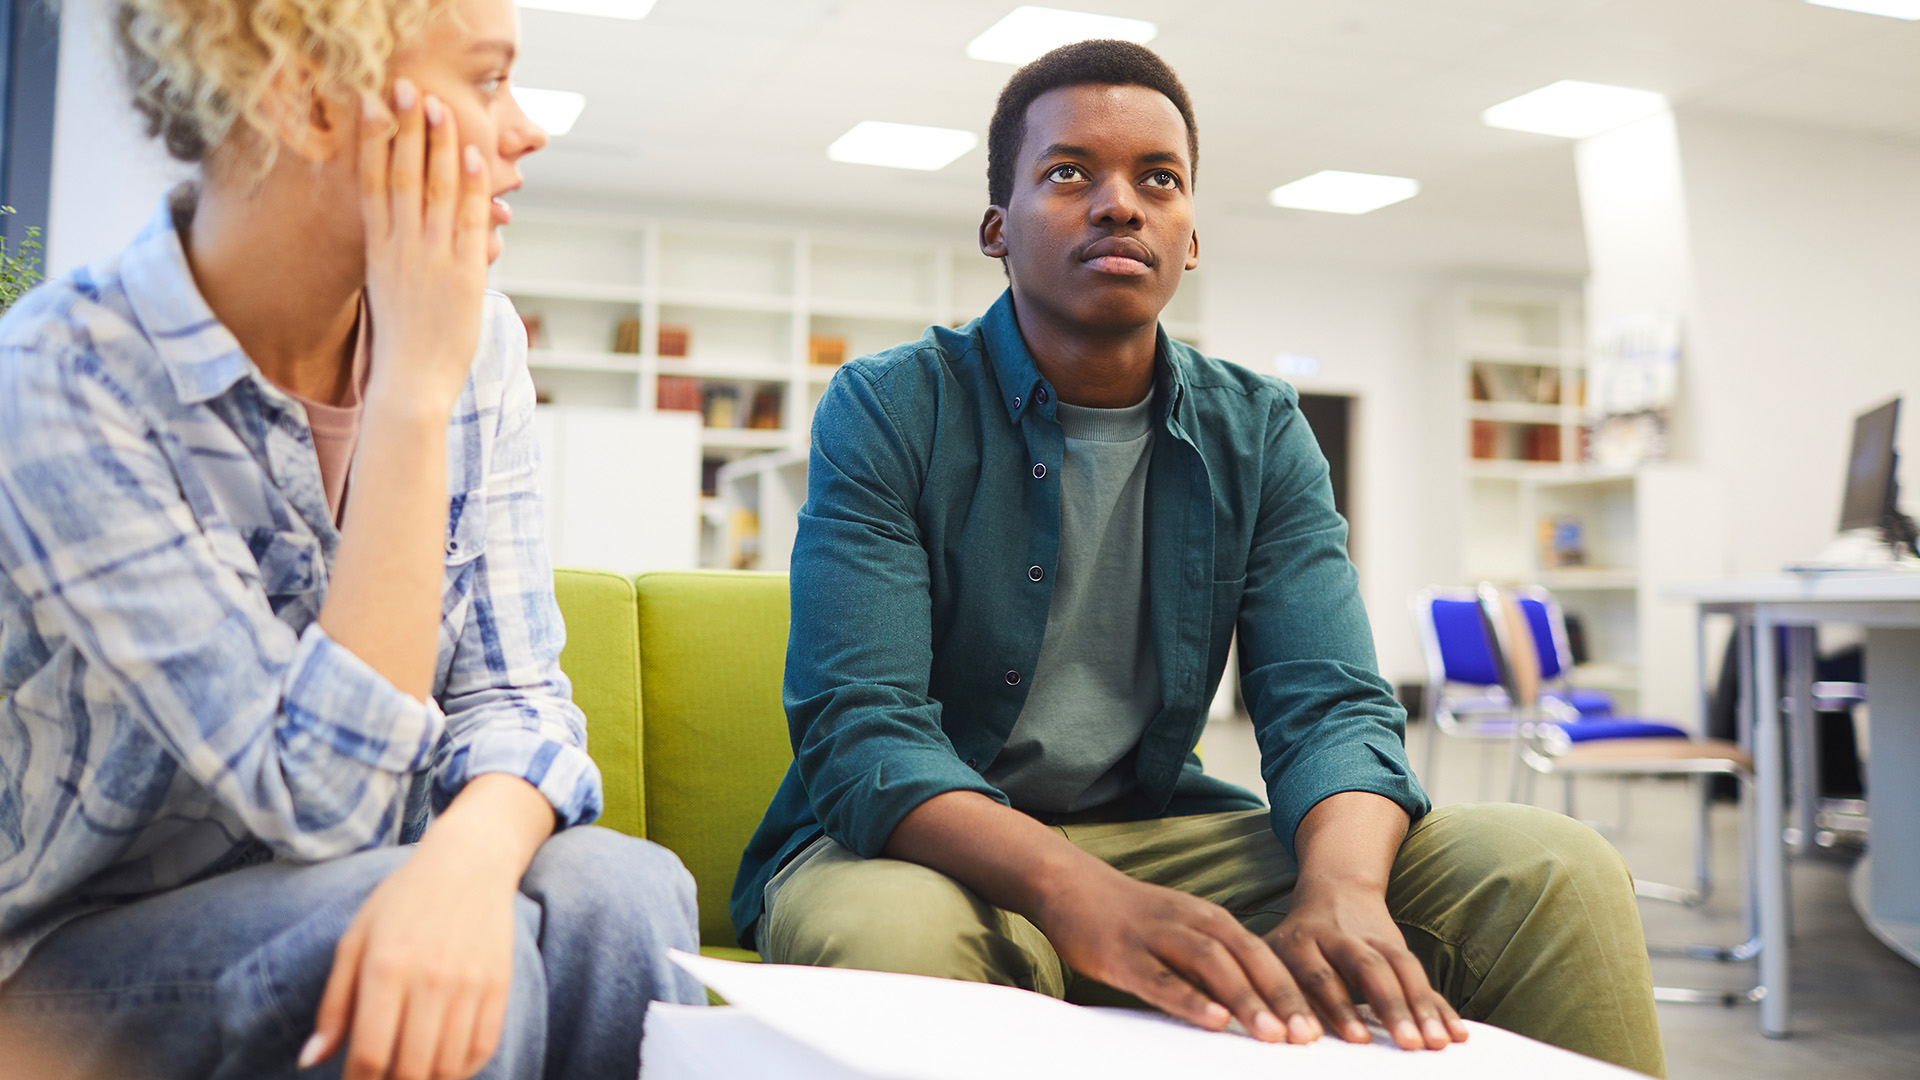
x=713, y=650
x=1549, y=626
x=602, y=658
x=1454, y=638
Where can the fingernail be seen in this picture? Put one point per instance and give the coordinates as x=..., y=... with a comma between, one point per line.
x=310, y=1053
x=403, y=92
x=1217, y=1013
x=1299, y=1030
x=1268, y=1027
x=1406, y=1032
x=1357, y=1032
x=472, y=159
x=1437, y=1033
x=435, y=113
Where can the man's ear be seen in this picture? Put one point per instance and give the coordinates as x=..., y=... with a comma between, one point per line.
x=993, y=233
x=305, y=123
x=1193, y=251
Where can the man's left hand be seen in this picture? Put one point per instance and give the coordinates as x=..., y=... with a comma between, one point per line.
x=1337, y=939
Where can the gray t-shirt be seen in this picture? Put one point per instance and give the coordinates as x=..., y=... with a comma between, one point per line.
x=1095, y=687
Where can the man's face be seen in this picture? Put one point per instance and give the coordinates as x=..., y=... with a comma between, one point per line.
x=1099, y=226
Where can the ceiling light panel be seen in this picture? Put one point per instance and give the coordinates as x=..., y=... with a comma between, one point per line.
x=1892, y=9
x=554, y=110
x=901, y=146
x=1029, y=32
x=1574, y=110
x=1336, y=192
x=609, y=9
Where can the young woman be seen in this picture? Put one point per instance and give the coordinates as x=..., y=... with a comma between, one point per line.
x=274, y=598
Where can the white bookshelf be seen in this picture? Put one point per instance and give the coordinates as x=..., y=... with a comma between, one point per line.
x=1520, y=360
x=750, y=298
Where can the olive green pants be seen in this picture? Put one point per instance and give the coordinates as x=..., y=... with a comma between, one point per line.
x=1523, y=918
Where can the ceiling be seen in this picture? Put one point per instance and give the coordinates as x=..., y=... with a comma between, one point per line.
x=729, y=105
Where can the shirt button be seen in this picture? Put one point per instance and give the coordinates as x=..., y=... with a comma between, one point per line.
x=453, y=547
x=1016, y=402
x=1039, y=470
x=1013, y=678
x=973, y=763
x=1034, y=573
x=1040, y=395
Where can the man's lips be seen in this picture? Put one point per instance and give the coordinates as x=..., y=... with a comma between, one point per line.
x=1121, y=255
x=502, y=213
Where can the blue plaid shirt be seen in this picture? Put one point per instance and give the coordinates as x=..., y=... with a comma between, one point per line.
x=172, y=705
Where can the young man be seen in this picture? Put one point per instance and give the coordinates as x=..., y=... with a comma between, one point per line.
x=1026, y=545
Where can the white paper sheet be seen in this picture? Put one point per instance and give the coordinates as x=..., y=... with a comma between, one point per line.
x=881, y=1026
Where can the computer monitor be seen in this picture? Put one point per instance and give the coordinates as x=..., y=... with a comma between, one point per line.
x=1869, y=502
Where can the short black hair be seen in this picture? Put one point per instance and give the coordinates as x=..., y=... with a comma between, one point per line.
x=1099, y=62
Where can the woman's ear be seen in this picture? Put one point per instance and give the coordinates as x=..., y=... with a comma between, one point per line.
x=305, y=123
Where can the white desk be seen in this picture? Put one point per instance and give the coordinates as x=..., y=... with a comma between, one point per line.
x=1888, y=605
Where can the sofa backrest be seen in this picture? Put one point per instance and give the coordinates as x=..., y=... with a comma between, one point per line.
x=602, y=658
x=713, y=648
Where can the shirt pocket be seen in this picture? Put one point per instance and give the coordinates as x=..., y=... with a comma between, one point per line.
x=288, y=565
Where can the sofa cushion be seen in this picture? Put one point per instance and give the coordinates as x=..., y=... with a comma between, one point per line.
x=712, y=648
x=602, y=658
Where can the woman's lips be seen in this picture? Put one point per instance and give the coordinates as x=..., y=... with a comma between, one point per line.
x=502, y=213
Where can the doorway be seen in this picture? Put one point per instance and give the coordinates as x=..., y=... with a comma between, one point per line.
x=1331, y=418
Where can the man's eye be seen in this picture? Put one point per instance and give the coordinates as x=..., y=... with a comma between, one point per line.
x=1065, y=174
x=1163, y=178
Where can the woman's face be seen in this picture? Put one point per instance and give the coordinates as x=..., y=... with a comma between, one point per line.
x=465, y=59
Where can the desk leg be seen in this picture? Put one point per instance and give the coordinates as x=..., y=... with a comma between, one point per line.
x=1893, y=763
x=1802, y=753
x=1771, y=854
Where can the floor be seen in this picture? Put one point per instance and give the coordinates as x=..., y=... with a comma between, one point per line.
x=1856, y=1004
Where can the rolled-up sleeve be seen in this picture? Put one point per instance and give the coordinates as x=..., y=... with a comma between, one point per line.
x=509, y=707
x=298, y=738
x=1325, y=719
x=867, y=738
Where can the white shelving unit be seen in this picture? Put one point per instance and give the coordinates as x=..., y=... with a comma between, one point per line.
x=750, y=298
x=1520, y=358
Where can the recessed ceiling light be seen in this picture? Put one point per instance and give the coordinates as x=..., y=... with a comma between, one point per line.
x=1029, y=32
x=1892, y=9
x=901, y=146
x=1339, y=192
x=611, y=9
x=1573, y=109
x=554, y=110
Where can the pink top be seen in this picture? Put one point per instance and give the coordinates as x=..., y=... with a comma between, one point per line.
x=336, y=428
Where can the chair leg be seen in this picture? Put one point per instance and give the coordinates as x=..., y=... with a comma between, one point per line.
x=1703, y=837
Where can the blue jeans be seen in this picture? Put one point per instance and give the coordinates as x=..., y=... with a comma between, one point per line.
x=222, y=978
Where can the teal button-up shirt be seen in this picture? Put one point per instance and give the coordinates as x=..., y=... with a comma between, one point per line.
x=932, y=492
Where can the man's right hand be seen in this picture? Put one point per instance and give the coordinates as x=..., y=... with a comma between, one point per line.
x=1176, y=952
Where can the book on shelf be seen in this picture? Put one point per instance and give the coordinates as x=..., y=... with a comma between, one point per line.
x=722, y=406
x=626, y=335
x=764, y=415
x=531, y=320
x=673, y=340
x=826, y=350
x=679, y=393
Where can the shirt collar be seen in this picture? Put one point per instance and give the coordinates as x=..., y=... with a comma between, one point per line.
x=199, y=353
x=1023, y=387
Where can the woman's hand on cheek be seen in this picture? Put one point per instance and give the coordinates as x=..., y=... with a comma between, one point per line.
x=425, y=202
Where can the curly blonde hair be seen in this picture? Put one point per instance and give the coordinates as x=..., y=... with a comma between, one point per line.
x=198, y=67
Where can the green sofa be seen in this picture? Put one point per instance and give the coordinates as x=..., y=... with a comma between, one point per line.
x=679, y=675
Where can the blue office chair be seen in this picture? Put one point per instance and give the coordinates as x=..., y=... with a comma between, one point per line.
x=1465, y=697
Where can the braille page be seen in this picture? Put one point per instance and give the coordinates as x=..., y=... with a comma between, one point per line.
x=882, y=1026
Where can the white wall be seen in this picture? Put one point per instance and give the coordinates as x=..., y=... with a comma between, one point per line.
x=108, y=177
x=1806, y=266
x=1368, y=328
